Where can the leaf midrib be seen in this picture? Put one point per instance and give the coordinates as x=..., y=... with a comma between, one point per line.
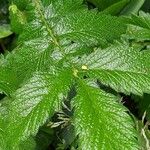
x=49, y=29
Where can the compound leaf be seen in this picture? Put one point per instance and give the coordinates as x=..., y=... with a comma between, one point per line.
x=53, y=29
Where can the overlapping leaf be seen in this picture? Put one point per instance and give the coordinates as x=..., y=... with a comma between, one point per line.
x=35, y=102
x=125, y=69
x=139, y=27
x=133, y=7
x=102, y=4
x=115, y=7
x=101, y=122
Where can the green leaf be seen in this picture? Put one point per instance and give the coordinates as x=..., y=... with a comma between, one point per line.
x=101, y=122
x=137, y=33
x=143, y=20
x=34, y=103
x=133, y=7
x=103, y=4
x=2, y=140
x=18, y=19
x=8, y=81
x=19, y=66
x=71, y=22
x=139, y=27
x=125, y=69
x=125, y=7
x=116, y=8
x=20, y=4
x=5, y=31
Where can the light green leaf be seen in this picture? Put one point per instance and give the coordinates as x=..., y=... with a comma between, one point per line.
x=101, y=122
x=103, y=4
x=133, y=7
x=5, y=31
x=139, y=27
x=18, y=19
x=137, y=33
x=116, y=8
